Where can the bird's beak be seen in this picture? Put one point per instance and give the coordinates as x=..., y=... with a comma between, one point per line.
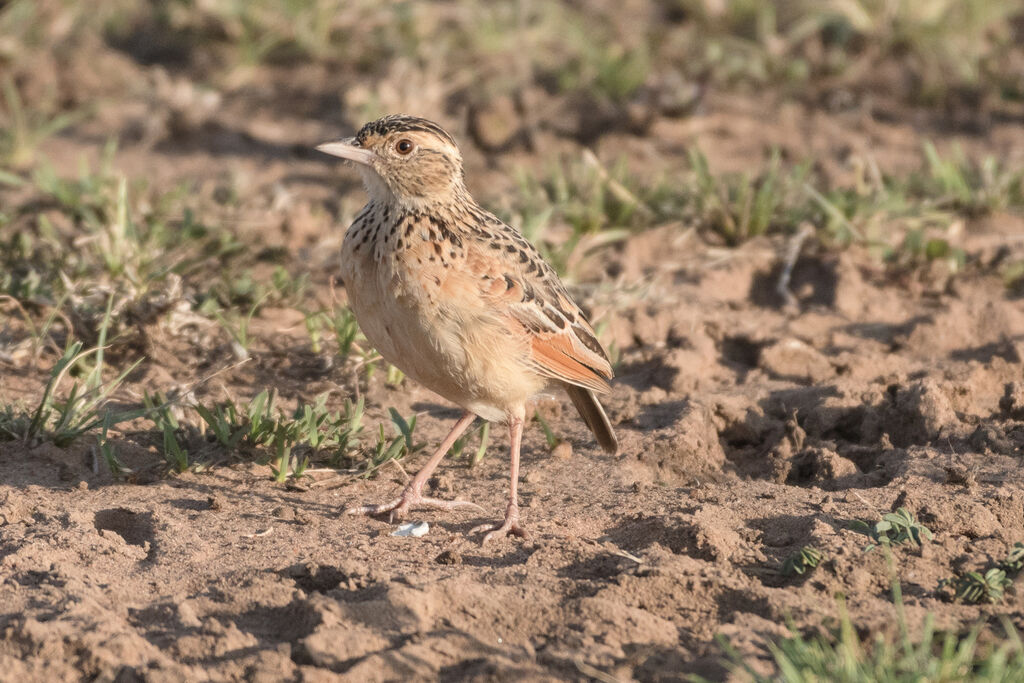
x=347, y=149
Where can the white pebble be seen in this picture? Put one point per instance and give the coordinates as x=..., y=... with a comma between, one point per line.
x=412, y=529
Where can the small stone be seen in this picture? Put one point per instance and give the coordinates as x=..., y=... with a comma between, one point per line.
x=562, y=450
x=415, y=529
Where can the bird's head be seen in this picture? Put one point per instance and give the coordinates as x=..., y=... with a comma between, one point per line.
x=404, y=160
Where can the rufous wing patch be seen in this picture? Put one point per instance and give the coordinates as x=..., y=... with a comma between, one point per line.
x=556, y=356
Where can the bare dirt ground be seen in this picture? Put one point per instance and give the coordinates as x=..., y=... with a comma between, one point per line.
x=748, y=431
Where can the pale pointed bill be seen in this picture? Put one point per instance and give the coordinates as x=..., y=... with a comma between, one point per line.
x=347, y=149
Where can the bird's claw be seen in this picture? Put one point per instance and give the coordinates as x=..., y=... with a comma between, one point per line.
x=398, y=507
x=510, y=527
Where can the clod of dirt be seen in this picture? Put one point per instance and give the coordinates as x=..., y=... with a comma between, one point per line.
x=335, y=645
x=794, y=360
x=960, y=517
x=851, y=417
x=684, y=450
x=1012, y=402
x=628, y=626
x=315, y=578
x=989, y=439
x=14, y=509
x=818, y=464
x=449, y=557
x=715, y=533
x=920, y=413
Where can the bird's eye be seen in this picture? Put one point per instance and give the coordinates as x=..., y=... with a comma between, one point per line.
x=403, y=146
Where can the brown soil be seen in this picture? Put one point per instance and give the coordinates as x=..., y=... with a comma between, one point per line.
x=748, y=431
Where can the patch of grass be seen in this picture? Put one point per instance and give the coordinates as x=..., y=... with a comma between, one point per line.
x=941, y=47
x=292, y=440
x=933, y=657
x=62, y=419
x=577, y=207
x=72, y=243
x=738, y=207
x=23, y=129
x=909, y=219
x=964, y=186
x=841, y=655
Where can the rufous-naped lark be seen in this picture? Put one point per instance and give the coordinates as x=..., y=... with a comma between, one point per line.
x=459, y=301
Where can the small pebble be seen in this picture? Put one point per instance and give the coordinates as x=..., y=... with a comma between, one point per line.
x=563, y=451
x=416, y=529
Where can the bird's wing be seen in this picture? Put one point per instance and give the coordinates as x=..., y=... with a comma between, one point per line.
x=517, y=283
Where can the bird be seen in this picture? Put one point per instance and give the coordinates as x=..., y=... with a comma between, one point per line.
x=460, y=301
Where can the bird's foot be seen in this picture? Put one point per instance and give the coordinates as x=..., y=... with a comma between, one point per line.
x=509, y=527
x=410, y=499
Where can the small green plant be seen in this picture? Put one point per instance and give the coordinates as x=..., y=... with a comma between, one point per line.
x=346, y=330
x=975, y=587
x=158, y=409
x=801, y=561
x=1014, y=562
x=550, y=438
x=956, y=183
x=107, y=450
x=895, y=528
x=238, y=329
x=223, y=423
x=395, y=448
x=282, y=441
x=484, y=431
x=990, y=585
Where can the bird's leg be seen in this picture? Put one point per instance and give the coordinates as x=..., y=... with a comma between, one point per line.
x=413, y=496
x=511, y=523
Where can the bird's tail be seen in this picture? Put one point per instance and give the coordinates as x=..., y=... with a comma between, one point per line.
x=595, y=417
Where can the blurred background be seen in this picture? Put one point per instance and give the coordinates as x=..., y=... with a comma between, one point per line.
x=228, y=97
